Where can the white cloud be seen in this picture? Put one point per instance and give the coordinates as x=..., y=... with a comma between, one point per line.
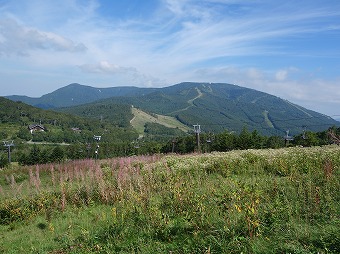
x=281, y=75
x=215, y=37
x=129, y=75
x=255, y=74
x=21, y=40
x=107, y=68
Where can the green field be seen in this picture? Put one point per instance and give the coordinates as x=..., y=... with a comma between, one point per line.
x=251, y=201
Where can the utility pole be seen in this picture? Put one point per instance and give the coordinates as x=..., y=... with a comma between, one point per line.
x=173, y=145
x=97, y=138
x=8, y=144
x=287, y=138
x=304, y=132
x=197, y=130
x=88, y=148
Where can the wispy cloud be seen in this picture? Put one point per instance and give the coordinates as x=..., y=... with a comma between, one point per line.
x=106, y=67
x=20, y=40
x=177, y=40
x=129, y=74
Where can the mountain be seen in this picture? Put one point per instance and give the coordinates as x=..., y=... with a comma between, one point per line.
x=76, y=94
x=214, y=106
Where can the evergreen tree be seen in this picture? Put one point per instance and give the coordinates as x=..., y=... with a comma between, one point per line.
x=34, y=156
x=244, y=140
x=3, y=160
x=57, y=154
x=24, y=134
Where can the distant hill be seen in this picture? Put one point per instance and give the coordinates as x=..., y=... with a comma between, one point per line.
x=214, y=106
x=76, y=94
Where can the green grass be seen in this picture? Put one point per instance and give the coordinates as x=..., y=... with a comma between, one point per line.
x=8, y=131
x=141, y=118
x=255, y=201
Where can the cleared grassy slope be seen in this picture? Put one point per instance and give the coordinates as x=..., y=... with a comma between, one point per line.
x=141, y=118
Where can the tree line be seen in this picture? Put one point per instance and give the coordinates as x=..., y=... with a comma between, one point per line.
x=26, y=154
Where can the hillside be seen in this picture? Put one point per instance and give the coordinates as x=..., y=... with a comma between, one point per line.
x=141, y=119
x=126, y=116
x=251, y=201
x=16, y=117
x=216, y=107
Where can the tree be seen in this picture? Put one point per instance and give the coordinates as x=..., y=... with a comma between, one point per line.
x=44, y=156
x=76, y=151
x=244, y=140
x=22, y=159
x=38, y=136
x=3, y=160
x=57, y=154
x=24, y=134
x=275, y=142
x=257, y=140
x=3, y=134
x=34, y=156
x=224, y=141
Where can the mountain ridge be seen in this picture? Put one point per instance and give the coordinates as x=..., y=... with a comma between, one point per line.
x=76, y=94
x=215, y=106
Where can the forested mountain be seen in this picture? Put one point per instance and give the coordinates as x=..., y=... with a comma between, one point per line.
x=218, y=107
x=57, y=136
x=214, y=106
x=76, y=94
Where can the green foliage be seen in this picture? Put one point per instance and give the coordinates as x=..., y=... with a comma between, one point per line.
x=57, y=154
x=250, y=201
x=223, y=106
x=157, y=131
x=215, y=107
x=41, y=155
x=24, y=134
x=116, y=114
x=16, y=116
x=274, y=142
x=3, y=134
x=3, y=160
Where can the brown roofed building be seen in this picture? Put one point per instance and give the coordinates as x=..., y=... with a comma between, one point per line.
x=36, y=127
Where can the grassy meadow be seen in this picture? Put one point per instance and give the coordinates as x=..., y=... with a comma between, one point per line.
x=251, y=201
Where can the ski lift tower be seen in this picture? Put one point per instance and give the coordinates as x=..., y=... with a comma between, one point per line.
x=209, y=140
x=304, y=127
x=8, y=144
x=173, y=145
x=197, y=130
x=97, y=138
x=288, y=138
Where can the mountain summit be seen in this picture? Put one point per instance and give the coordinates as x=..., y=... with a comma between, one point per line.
x=214, y=106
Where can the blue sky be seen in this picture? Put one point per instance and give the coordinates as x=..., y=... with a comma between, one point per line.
x=290, y=49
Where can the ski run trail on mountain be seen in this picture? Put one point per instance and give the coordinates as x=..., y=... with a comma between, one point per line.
x=191, y=101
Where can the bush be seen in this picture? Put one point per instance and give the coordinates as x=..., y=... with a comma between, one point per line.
x=3, y=160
